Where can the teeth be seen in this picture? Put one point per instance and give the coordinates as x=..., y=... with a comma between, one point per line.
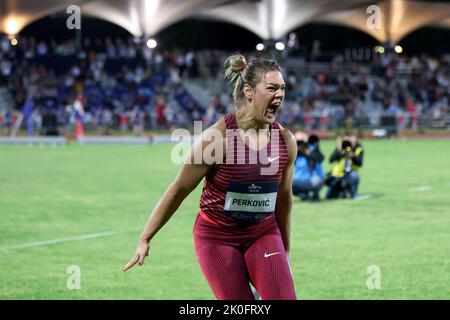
x=272, y=109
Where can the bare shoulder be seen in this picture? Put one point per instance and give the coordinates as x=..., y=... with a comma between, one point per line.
x=291, y=143
x=217, y=129
x=220, y=125
x=211, y=144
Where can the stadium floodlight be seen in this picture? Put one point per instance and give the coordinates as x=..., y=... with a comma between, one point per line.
x=398, y=49
x=12, y=26
x=379, y=49
x=260, y=47
x=14, y=42
x=279, y=46
x=151, y=43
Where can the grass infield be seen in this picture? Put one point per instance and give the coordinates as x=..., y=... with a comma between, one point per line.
x=86, y=206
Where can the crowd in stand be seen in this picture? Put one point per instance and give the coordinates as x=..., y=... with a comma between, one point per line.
x=400, y=88
x=125, y=86
x=122, y=84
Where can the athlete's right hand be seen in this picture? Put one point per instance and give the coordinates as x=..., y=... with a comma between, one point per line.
x=141, y=253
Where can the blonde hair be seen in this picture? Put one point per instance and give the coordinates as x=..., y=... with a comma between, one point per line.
x=239, y=72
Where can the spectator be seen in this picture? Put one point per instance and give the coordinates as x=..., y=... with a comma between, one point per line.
x=115, y=73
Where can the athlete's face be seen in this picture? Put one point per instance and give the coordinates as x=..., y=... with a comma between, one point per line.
x=268, y=97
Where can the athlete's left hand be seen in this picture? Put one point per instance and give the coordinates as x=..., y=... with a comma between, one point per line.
x=141, y=253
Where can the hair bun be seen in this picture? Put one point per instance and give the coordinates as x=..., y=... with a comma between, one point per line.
x=234, y=65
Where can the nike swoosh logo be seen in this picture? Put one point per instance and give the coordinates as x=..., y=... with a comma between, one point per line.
x=272, y=159
x=266, y=255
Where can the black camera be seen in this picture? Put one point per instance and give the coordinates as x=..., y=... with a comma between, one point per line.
x=313, y=140
x=346, y=146
x=302, y=146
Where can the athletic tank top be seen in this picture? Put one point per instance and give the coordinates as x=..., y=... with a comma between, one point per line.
x=243, y=189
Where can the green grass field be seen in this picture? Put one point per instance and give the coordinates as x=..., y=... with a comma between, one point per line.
x=56, y=193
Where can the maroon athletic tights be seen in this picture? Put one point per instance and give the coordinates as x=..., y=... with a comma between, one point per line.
x=233, y=257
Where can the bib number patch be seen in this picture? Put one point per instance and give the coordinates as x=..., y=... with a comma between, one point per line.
x=251, y=201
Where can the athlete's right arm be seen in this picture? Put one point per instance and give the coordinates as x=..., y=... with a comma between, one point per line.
x=191, y=173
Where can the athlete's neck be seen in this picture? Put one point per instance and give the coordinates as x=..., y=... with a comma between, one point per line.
x=245, y=120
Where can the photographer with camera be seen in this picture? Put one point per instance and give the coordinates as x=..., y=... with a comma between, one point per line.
x=308, y=173
x=343, y=180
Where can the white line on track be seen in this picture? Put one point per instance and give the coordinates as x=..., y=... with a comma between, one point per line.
x=56, y=241
x=422, y=189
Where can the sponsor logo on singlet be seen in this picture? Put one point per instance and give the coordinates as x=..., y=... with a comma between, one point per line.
x=251, y=201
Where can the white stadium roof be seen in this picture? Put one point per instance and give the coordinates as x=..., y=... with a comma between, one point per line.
x=398, y=18
x=273, y=19
x=17, y=14
x=269, y=19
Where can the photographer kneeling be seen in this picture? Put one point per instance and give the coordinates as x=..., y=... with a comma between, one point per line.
x=308, y=173
x=343, y=180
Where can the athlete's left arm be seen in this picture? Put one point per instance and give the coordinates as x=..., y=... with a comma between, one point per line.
x=283, y=206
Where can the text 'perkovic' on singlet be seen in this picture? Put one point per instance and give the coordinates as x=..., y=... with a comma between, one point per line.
x=243, y=189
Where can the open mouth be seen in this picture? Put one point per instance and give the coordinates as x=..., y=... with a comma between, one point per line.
x=272, y=109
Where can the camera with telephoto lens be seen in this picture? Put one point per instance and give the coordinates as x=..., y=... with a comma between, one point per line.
x=301, y=144
x=346, y=146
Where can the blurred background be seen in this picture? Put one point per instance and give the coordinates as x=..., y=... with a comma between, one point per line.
x=136, y=67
